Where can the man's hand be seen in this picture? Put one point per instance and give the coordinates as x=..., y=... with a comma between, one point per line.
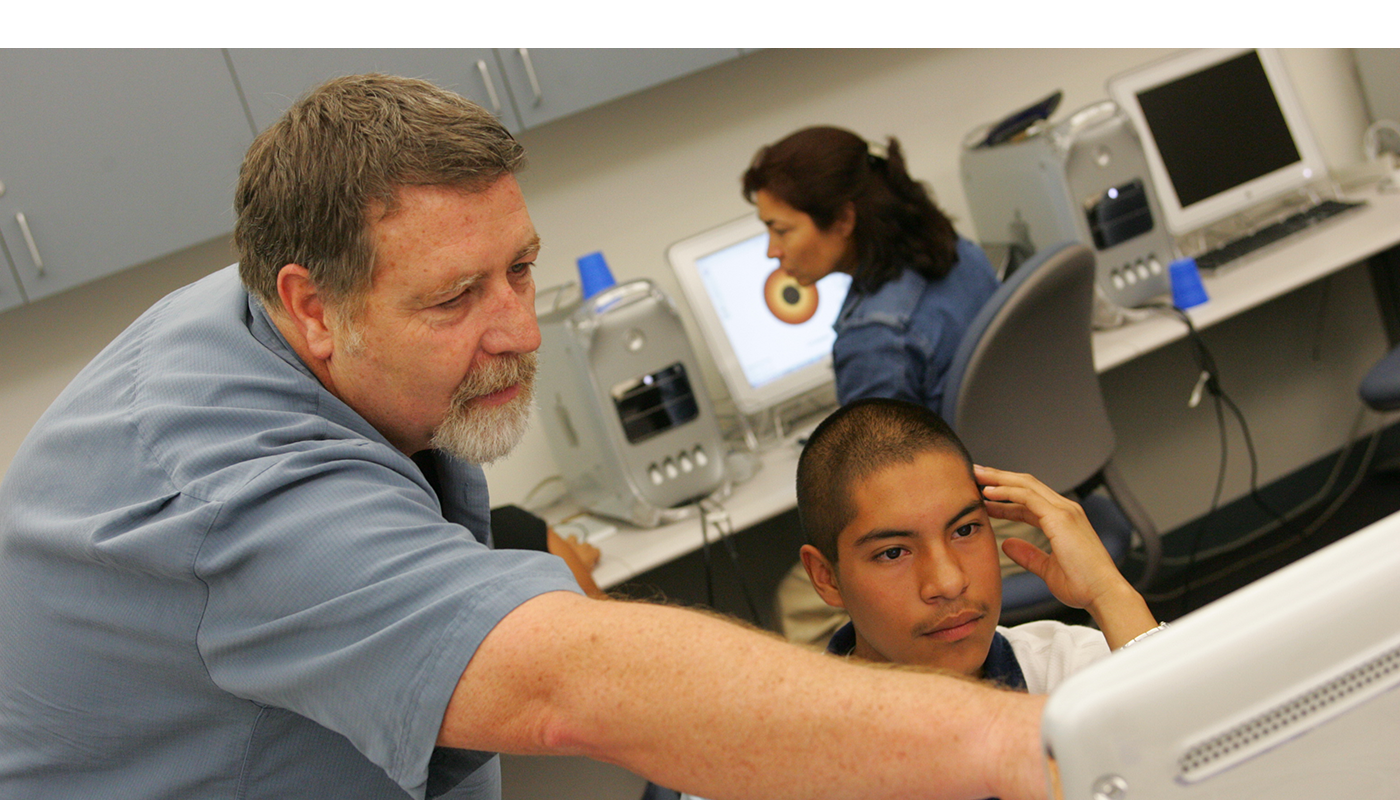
x=1078, y=570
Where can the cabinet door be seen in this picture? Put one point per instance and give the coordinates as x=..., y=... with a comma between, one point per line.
x=551, y=83
x=273, y=79
x=9, y=290
x=110, y=158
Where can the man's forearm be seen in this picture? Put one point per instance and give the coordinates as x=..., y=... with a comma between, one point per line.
x=707, y=706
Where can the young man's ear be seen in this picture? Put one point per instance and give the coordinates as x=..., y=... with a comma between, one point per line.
x=823, y=576
x=303, y=307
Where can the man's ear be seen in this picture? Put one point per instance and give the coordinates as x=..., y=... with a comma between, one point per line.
x=303, y=307
x=823, y=576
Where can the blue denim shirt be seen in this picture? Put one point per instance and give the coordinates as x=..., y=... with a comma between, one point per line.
x=899, y=341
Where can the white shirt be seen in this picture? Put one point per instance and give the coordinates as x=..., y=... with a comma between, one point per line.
x=1050, y=651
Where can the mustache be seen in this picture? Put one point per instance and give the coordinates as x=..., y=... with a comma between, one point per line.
x=499, y=373
x=970, y=611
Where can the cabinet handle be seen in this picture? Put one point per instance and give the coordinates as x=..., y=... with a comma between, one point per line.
x=29, y=240
x=530, y=73
x=490, y=87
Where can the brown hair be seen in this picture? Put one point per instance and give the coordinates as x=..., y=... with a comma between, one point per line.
x=819, y=170
x=310, y=181
x=856, y=441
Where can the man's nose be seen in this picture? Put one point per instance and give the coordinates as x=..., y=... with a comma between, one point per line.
x=941, y=576
x=512, y=327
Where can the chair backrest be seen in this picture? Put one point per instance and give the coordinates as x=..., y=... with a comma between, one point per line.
x=1022, y=392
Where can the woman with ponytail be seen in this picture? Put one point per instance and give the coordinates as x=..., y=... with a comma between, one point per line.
x=833, y=202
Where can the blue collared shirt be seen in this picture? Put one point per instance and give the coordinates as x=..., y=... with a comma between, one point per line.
x=219, y=580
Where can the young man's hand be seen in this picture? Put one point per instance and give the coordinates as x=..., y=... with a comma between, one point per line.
x=1078, y=570
x=581, y=557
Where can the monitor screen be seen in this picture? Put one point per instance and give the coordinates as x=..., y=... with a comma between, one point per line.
x=1284, y=689
x=770, y=338
x=1221, y=130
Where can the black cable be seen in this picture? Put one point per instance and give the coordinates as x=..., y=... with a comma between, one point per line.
x=739, y=574
x=1253, y=463
x=1238, y=564
x=705, y=554
x=1211, y=377
x=1214, y=505
x=725, y=529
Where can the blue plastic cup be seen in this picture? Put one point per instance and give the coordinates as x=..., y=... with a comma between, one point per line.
x=594, y=273
x=1187, y=290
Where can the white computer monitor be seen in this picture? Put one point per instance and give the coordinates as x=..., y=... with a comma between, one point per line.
x=1284, y=689
x=765, y=361
x=1222, y=131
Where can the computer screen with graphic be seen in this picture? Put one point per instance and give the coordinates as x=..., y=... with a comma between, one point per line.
x=1222, y=131
x=770, y=338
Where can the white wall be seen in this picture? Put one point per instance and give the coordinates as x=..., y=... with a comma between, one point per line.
x=638, y=174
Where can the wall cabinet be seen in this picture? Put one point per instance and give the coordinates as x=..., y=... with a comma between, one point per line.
x=110, y=158
x=9, y=288
x=273, y=79
x=549, y=83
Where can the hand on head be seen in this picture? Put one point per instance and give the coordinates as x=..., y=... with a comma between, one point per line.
x=1079, y=571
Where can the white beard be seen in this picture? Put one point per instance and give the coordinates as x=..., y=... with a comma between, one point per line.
x=480, y=435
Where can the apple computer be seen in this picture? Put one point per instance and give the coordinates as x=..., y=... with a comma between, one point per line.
x=1222, y=129
x=1284, y=689
x=770, y=338
x=1223, y=133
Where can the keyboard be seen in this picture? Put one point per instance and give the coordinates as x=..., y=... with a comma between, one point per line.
x=1325, y=210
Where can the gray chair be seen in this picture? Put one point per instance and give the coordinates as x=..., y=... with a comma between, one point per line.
x=1023, y=395
x=1380, y=389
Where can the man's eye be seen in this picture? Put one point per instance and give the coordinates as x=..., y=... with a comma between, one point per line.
x=889, y=554
x=966, y=530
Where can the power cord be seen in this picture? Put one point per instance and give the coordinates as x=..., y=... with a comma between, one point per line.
x=1209, y=382
x=712, y=513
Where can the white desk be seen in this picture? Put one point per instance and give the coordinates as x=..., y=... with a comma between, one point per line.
x=1252, y=281
x=1264, y=275
x=770, y=492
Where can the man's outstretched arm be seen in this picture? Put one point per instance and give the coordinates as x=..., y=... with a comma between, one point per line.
x=710, y=707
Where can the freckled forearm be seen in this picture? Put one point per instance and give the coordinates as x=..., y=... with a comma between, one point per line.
x=707, y=706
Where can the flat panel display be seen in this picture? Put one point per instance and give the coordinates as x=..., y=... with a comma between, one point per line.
x=1222, y=132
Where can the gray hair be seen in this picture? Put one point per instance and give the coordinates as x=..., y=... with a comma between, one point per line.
x=310, y=182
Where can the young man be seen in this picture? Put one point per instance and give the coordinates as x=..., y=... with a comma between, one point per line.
x=898, y=524
x=223, y=573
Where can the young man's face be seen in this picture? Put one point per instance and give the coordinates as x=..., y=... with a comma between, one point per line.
x=443, y=347
x=917, y=568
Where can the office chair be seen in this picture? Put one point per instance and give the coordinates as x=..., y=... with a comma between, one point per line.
x=1380, y=389
x=1023, y=395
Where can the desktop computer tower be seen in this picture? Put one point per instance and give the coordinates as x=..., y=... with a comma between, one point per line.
x=1084, y=179
x=625, y=409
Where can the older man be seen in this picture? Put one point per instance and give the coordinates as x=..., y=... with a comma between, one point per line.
x=245, y=554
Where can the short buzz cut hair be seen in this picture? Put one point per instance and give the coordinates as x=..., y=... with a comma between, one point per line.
x=855, y=442
x=310, y=181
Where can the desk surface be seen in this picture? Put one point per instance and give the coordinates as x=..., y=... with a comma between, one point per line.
x=1252, y=281
x=1264, y=275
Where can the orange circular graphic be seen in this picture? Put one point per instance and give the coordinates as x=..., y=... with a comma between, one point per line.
x=789, y=300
